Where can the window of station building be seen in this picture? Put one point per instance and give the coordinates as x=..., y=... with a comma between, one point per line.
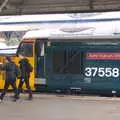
x=66, y=62
x=27, y=49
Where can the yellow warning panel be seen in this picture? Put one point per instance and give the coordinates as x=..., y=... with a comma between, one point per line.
x=16, y=60
x=2, y=74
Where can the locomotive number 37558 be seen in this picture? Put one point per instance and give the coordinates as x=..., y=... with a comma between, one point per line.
x=102, y=72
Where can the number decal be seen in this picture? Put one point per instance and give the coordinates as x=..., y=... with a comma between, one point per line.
x=88, y=72
x=108, y=72
x=115, y=72
x=94, y=71
x=102, y=72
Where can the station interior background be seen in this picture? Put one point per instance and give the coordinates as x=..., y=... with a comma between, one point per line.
x=13, y=28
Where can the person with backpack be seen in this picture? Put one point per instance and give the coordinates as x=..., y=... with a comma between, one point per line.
x=26, y=69
x=11, y=68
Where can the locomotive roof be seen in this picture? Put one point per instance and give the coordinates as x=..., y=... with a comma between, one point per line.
x=88, y=38
x=57, y=35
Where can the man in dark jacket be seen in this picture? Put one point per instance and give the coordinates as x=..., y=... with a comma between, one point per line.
x=10, y=68
x=25, y=75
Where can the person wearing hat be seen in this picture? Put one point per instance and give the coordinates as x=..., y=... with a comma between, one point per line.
x=10, y=79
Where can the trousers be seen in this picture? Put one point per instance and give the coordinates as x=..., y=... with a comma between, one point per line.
x=6, y=86
x=26, y=81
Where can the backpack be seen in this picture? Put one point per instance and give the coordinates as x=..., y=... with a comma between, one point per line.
x=29, y=67
x=18, y=72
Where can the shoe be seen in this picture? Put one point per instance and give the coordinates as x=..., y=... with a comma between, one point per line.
x=1, y=100
x=29, y=98
x=15, y=99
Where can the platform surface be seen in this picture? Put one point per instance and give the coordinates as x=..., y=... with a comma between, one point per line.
x=60, y=107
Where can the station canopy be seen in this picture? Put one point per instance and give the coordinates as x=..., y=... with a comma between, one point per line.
x=18, y=7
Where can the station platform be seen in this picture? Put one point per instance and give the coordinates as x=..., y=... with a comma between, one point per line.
x=60, y=107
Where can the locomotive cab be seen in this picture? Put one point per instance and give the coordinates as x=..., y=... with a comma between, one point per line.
x=33, y=50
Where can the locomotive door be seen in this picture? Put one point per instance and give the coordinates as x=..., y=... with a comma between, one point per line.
x=39, y=62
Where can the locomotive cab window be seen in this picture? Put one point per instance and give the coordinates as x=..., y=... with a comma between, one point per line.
x=26, y=48
x=66, y=62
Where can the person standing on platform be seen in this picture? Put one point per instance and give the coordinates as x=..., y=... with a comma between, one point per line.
x=26, y=69
x=10, y=79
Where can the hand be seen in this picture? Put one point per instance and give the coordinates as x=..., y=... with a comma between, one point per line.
x=22, y=80
x=1, y=63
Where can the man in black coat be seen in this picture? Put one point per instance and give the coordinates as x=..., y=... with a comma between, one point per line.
x=25, y=75
x=10, y=68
